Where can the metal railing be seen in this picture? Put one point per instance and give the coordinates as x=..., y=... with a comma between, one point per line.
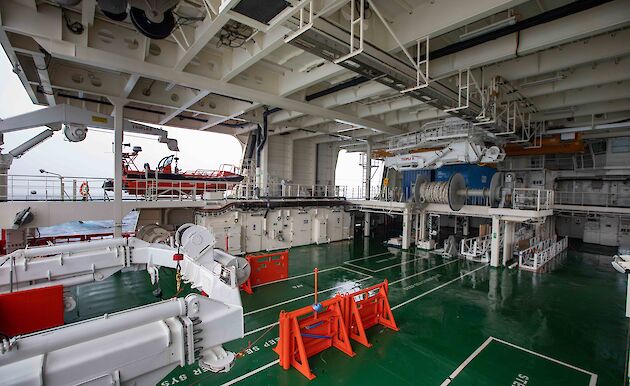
x=605, y=199
x=535, y=257
x=476, y=248
x=72, y=188
x=532, y=199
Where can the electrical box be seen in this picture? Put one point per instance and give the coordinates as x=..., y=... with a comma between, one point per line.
x=320, y=230
x=592, y=231
x=347, y=225
x=228, y=238
x=275, y=235
x=301, y=228
x=253, y=233
x=335, y=225
x=609, y=231
x=624, y=234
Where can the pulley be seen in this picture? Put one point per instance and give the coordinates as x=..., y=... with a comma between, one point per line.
x=153, y=26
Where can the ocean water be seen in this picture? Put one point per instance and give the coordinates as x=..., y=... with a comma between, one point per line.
x=89, y=227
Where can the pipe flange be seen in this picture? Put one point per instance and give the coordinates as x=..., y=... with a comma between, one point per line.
x=496, y=185
x=455, y=184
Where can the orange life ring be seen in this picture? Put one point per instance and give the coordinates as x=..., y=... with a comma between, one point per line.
x=84, y=189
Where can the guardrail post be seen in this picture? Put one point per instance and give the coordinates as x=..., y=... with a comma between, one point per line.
x=74, y=190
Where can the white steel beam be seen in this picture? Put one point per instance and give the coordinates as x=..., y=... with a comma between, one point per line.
x=88, y=7
x=587, y=95
x=204, y=33
x=616, y=70
x=607, y=17
x=197, y=96
x=268, y=39
x=132, y=80
x=238, y=60
x=346, y=96
x=584, y=110
x=386, y=107
x=435, y=18
x=41, y=64
x=95, y=57
x=10, y=52
x=602, y=19
x=296, y=81
x=122, y=61
x=402, y=117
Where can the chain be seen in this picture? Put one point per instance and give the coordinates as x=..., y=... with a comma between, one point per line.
x=178, y=277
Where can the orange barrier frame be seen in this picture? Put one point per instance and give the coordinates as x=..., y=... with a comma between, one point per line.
x=304, y=333
x=372, y=307
x=266, y=268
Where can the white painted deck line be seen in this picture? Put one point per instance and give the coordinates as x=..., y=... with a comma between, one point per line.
x=371, y=256
x=298, y=276
x=255, y=371
x=389, y=266
x=466, y=362
x=460, y=368
x=421, y=272
x=354, y=271
x=303, y=297
x=593, y=380
x=436, y=288
x=260, y=329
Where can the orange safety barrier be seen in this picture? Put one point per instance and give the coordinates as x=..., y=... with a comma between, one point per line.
x=266, y=268
x=366, y=308
x=304, y=333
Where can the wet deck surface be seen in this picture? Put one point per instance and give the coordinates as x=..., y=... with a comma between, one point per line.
x=458, y=320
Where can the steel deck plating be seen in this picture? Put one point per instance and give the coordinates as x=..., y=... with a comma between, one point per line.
x=461, y=323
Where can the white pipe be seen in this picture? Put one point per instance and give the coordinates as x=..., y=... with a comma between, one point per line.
x=68, y=248
x=57, y=338
x=67, y=282
x=31, y=143
x=118, y=173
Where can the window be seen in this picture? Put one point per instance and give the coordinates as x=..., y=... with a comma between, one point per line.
x=621, y=145
x=598, y=147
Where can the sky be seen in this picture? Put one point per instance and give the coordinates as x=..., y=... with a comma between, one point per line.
x=94, y=156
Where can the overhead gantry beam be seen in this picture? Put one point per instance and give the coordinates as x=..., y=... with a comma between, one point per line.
x=124, y=61
x=585, y=96
x=264, y=43
x=583, y=110
x=438, y=17
x=210, y=26
x=344, y=97
x=592, y=74
x=530, y=48
x=532, y=42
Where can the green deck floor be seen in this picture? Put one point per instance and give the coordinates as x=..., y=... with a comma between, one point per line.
x=506, y=326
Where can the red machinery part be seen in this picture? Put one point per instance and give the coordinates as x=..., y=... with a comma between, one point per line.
x=23, y=312
x=178, y=257
x=304, y=333
x=266, y=268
